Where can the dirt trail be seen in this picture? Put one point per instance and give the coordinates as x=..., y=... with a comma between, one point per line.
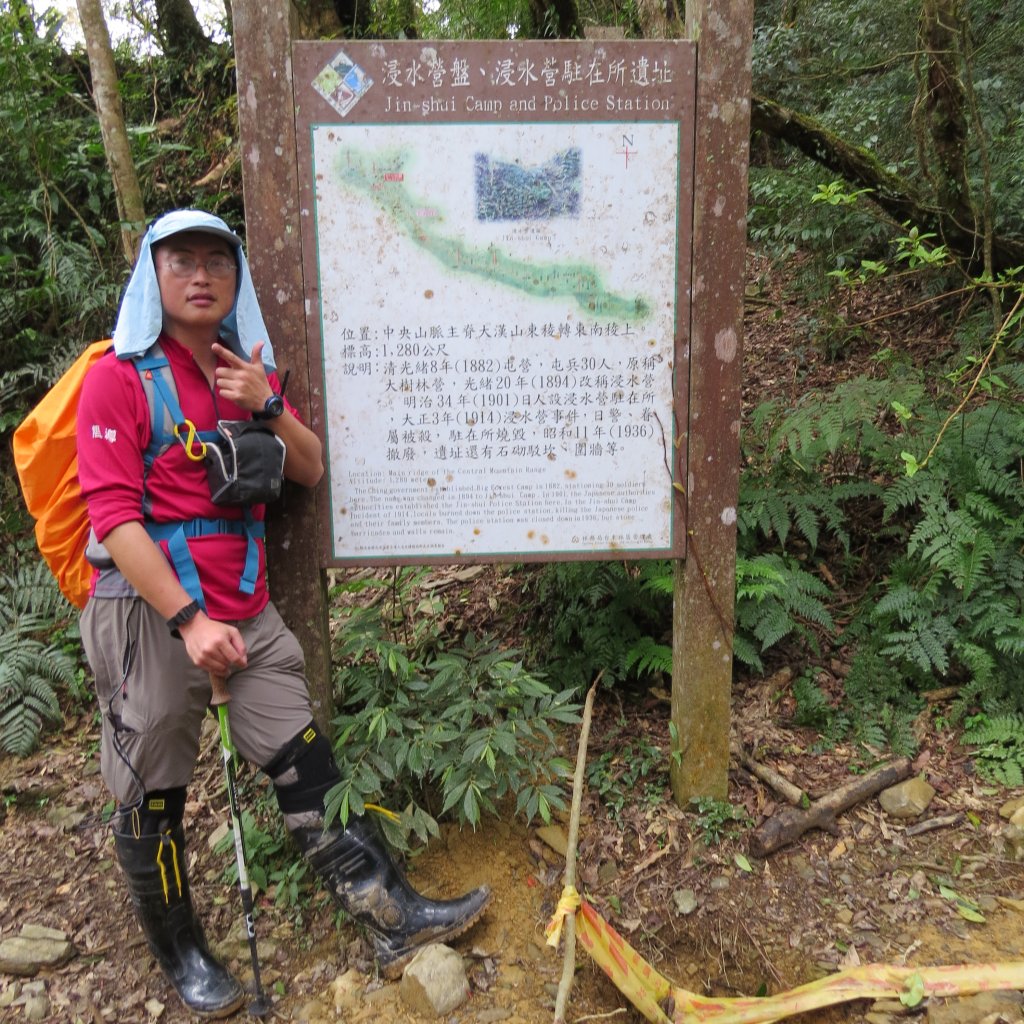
x=869, y=893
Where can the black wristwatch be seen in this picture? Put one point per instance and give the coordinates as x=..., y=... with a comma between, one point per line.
x=272, y=408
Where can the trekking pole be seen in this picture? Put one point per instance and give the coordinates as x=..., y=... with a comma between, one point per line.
x=260, y=1005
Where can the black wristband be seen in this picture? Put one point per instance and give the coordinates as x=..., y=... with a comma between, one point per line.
x=187, y=614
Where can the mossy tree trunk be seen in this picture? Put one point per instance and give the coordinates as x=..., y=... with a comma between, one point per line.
x=320, y=19
x=181, y=36
x=941, y=107
x=949, y=127
x=899, y=198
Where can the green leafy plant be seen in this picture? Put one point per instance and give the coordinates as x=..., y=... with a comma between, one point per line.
x=815, y=710
x=719, y=820
x=32, y=667
x=269, y=862
x=790, y=211
x=649, y=658
x=608, y=617
x=430, y=726
x=950, y=604
x=1000, y=746
x=954, y=600
x=776, y=598
x=636, y=772
x=880, y=713
x=56, y=270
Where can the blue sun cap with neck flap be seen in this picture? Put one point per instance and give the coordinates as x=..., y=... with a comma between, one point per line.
x=140, y=317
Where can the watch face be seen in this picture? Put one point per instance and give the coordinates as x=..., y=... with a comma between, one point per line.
x=274, y=406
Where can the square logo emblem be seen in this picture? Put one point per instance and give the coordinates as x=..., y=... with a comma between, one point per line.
x=342, y=83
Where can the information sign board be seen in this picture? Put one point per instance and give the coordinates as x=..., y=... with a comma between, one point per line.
x=499, y=233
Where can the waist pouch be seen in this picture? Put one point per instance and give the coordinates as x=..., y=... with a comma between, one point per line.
x=245, y=465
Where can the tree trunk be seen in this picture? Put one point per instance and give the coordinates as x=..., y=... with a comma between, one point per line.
x=892, y=193
x=409, y=10
x=941, y=112
x=943, y=101
x=555, y=19
x=181, y=36
x=658, y=19
x=355, y=17
x=130, y=207
x=266, y=119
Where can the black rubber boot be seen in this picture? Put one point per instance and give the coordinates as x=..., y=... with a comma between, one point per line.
x=155, y=868
x=364, y=879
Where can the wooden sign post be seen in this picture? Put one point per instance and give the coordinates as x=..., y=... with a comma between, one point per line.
x=507, y=277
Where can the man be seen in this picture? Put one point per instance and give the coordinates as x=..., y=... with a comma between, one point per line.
x=180, y=593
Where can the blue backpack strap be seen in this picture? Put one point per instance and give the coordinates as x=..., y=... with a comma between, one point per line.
x=177, y=536
x=254, y=531
x=162, y=395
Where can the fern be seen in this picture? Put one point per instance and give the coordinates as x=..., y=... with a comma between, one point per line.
x=745, y=652
x=31, y=669
x=814, y=710
x=997, y=729
x=925, y=646
x=591, y=615
x=649, y=658
x=31, y=594
x=1000, y=747
x=30, y=672
x=657, y=577
x=776, y=598
x=953, y=605
x=946, y=546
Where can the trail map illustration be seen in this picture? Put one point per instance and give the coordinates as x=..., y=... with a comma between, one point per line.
x=499, y=303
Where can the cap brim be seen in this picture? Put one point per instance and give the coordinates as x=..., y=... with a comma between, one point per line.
x=182, y=221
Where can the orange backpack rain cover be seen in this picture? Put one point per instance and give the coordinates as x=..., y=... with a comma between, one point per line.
x=46, y=458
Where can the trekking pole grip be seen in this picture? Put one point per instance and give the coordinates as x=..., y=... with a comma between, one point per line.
x=219, y=684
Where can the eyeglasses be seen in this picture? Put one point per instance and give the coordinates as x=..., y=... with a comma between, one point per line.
x=216, y=266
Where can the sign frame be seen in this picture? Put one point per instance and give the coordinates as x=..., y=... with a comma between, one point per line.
x=323, y=99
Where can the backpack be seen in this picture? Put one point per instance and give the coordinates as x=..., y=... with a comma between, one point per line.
x=46, y=458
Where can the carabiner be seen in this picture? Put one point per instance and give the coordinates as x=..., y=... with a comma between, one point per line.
x=190, y=440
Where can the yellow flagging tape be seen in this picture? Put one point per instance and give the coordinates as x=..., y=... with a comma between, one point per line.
x=568, y=904
x=660, y=1001
x=383, y=811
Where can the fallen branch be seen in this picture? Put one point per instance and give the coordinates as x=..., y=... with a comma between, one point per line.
x=569, y=921
x=793, y=822
x=779, y=783
x=217, y=173
x=942, y=694
x=893, y=193
x=932, y=824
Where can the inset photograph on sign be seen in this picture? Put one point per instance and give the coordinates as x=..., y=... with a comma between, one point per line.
x=498, y=303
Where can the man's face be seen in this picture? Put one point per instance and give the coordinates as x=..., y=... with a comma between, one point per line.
x=198, y=280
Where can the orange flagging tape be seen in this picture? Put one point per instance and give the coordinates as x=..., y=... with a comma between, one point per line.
x=660, y=1001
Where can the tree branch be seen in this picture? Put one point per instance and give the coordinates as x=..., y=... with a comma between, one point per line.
x=893, y=194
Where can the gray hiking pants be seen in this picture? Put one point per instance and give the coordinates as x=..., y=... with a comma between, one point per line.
x=153, y=698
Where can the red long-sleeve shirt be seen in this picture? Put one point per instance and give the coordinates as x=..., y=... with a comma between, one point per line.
x=114, y=430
